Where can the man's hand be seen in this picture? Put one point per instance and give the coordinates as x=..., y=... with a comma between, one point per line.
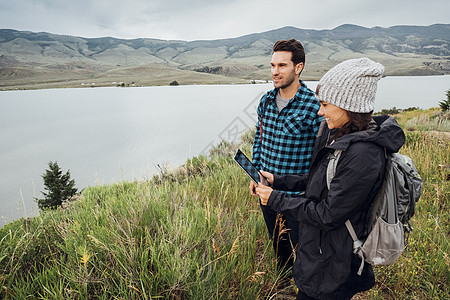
x=264, y=193
x=268, y=178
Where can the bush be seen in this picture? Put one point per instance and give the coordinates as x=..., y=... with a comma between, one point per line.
x=174, y=83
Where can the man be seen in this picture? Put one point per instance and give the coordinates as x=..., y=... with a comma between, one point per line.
x=286, y=129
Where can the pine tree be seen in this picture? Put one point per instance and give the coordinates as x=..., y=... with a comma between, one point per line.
x=58, y=187
x=445, y=104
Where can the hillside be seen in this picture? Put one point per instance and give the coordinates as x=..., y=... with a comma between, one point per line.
x=44, y=60
x=196, y=233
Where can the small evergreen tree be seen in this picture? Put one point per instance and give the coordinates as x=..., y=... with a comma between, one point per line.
x=58, y=187
x=174, y=83
x=445, y=104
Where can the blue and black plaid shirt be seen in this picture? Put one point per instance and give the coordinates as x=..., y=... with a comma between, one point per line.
x=288, y=135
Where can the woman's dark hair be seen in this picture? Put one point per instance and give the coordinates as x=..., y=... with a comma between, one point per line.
x=293, y=46
x=356, y=122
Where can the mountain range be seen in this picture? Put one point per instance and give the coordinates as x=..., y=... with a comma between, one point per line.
x=43, y=60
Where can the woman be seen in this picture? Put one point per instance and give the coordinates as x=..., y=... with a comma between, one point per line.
x=325, y=266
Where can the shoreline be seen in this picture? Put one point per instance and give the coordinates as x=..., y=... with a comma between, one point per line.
x=77, y=84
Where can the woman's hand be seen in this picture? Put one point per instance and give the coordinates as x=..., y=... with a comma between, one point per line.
x=264, y=193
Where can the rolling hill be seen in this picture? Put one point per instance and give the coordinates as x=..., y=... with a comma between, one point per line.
x=45, y=60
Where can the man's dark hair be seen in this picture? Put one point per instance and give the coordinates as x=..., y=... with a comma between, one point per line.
x=293, y=46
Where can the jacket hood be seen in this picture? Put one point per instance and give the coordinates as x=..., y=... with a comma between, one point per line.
x=384, y=131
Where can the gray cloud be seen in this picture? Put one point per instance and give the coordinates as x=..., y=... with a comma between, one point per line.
x=209, y=19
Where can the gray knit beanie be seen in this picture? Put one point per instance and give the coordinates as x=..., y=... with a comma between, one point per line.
x=351, y=85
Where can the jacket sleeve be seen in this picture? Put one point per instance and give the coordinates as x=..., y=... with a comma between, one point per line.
x=256, y=156
x=356, y=174
x=290, y=182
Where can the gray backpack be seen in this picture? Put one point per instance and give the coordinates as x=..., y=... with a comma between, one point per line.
x=390, y=212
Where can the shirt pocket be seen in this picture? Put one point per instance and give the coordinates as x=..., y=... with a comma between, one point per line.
x=294, y=124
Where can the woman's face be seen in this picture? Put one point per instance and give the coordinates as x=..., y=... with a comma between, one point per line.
x=335, y=116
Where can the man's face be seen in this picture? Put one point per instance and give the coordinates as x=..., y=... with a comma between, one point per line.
x=284, y=73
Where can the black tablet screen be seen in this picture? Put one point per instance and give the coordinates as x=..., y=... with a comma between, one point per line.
x=248, y=166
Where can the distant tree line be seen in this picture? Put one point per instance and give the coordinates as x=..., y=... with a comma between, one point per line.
x=394, y=110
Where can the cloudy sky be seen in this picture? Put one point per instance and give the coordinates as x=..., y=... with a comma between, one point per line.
x=210, y=19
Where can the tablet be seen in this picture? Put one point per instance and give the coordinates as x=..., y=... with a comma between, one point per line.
x=249, y=167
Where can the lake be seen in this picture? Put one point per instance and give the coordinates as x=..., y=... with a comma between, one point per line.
x=106, y=135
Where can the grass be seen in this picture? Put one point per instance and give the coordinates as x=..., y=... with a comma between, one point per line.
x=196, y=233
x=425, y=120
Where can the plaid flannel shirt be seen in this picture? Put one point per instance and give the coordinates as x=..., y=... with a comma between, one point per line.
x=288, y=136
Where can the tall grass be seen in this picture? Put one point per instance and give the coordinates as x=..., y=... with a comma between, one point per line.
x=196, y=233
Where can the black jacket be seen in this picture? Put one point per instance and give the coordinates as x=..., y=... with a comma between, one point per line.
x=325, y=266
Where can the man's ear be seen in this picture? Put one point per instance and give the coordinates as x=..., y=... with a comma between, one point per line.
x=298, y=68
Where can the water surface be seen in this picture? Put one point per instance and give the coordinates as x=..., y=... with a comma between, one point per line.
x=105, y=135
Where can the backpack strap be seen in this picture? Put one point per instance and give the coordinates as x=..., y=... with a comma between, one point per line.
x=357, y=243
x=331, y=168
x=260, y=128
x=262, y=119
x=392, y=209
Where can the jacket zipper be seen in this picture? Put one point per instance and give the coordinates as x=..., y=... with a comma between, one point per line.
x=320, y=243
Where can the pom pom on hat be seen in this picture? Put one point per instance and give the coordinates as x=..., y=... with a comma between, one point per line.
x=351, y=85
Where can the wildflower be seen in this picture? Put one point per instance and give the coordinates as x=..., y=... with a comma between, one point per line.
x=85, y=257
